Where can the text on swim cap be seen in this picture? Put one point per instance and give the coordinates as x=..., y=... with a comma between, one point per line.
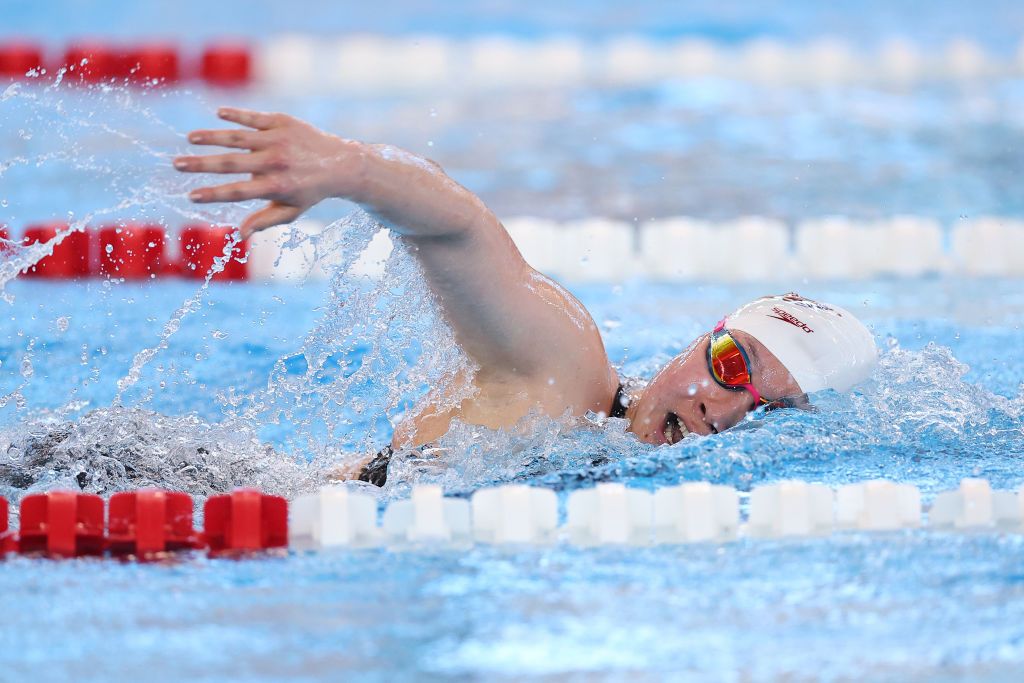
x=788, y=317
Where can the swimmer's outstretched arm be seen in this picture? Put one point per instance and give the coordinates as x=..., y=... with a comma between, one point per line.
x=514, y=322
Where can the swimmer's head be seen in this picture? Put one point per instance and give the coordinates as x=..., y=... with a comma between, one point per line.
x=791, y=346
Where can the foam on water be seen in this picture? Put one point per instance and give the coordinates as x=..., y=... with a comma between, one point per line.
x=116, y=449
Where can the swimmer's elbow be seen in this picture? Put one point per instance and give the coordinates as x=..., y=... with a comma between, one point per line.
x=415, y=197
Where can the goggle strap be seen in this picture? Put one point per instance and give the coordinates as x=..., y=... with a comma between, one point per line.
x=755, y=393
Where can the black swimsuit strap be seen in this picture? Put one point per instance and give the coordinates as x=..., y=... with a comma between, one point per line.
x=619, y=403
x=376, y=471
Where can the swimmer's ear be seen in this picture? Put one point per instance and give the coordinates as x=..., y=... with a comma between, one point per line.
x=270, y=215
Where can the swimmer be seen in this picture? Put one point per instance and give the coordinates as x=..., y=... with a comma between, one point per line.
x=536, y=347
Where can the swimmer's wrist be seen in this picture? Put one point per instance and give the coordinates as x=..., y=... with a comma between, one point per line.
x=347, y=170
x=367, y=176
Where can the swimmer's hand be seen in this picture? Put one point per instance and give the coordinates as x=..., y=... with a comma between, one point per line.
x=292, y=164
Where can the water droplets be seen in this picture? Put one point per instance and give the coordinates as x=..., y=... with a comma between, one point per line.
x=377, y=351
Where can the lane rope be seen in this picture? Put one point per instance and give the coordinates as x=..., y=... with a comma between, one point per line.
x=151, y=524
x=675, y=249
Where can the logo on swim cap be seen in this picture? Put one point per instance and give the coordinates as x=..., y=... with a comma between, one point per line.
x=787, y=317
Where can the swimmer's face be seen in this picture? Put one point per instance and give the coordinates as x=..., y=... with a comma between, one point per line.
x=684, y=398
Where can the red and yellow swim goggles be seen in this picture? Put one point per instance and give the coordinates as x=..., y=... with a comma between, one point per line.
x=729, y=365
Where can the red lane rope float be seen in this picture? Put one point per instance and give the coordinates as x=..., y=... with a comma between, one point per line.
x=152, y=64
x=150, y=523
x=133, y=251
x=243, y=521
x=226, y=65
x=18, y=58
x=61, y=524
x=70, y=258
x=7, y=544
x=202, y=243
x=94, y=63
x=222, y=64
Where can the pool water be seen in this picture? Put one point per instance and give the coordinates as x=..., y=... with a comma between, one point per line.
x=108, y=386
x=908, y=605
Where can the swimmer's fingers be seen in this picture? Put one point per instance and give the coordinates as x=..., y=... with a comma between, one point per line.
x=257, y=188
x=222, y=163
x=253, y=119
x=271, y=215
x=241, y=139
x=236, y=138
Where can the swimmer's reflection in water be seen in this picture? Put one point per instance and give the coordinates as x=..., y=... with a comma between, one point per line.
x=536, y=346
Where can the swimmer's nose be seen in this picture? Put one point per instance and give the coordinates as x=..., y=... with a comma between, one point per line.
x=704, y=418
x=721, y=414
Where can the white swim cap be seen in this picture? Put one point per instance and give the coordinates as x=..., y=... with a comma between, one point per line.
x=822, y=346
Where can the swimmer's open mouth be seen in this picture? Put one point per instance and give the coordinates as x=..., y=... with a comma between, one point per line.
x=674, y=429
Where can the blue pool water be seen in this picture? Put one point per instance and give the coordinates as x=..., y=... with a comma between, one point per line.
x=998, y=23
x=708, y=148
x=909, y=605
x=108, y=386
